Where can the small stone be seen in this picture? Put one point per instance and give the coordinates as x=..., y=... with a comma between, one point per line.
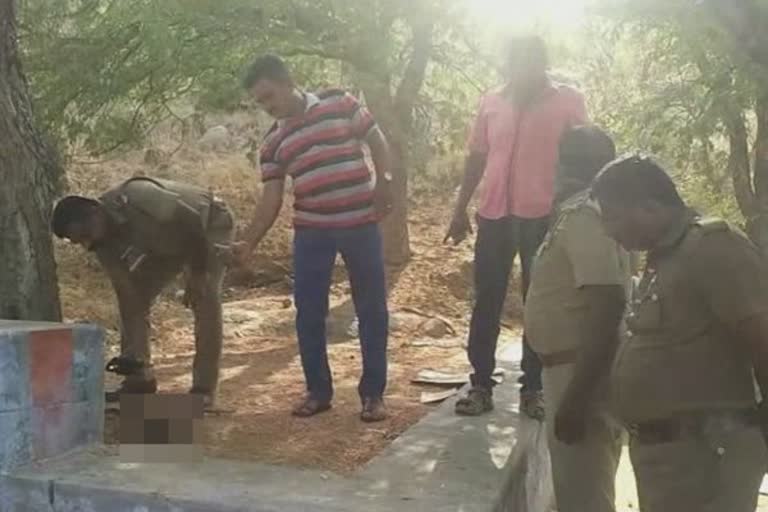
x=216, y=138
x=435, y=328
x=154, y=156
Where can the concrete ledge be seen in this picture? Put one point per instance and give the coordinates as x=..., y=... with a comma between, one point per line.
x=445, y=463
x=51, y=389
x=95, y=480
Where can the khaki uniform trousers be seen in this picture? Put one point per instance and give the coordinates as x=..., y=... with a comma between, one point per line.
x=136, y=301
x=720, y=471
x=583, y=474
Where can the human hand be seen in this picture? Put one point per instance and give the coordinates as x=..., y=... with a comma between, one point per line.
x=459, y=228
x=382, y=198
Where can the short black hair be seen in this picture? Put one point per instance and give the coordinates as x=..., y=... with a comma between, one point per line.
x=584, y=150
x=69, y=210
x=532, y=46
x=635, y=179
x=266, y=67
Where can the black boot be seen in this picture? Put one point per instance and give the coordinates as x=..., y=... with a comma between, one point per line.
x=136, y=380
x=132, y=387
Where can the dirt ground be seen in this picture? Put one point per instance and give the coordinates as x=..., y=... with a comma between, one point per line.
x=261, y=374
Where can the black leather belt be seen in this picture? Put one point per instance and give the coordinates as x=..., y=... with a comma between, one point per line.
x=674, y=429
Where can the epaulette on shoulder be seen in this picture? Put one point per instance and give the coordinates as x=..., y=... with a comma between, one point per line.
x=143, y=179
x=578, y=201
x=711, y=224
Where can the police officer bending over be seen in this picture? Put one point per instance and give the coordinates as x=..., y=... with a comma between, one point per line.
x=697, y=332
x=144, y=233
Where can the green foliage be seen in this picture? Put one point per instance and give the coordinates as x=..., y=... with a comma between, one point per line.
x=664, y=79
x=105, y=71
x=664, y=76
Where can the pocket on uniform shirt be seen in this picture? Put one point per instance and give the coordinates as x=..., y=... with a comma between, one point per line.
x=646, y=316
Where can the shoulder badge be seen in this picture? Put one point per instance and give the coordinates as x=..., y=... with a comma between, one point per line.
x=711, y=224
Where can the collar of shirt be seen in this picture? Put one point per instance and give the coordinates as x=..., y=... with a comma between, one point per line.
x=675, y=233
x=310, y=101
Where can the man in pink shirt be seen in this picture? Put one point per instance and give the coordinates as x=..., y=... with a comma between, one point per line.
x=513, y=150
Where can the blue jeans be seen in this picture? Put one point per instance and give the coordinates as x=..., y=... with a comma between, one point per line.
x=314, y=257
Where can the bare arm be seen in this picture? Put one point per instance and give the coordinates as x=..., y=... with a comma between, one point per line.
x=474, y=167
x=380, y=153
x=460, y=225
x=265, y=215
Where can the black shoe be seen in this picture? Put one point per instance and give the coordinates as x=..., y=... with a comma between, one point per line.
x=132, y=387
x=479, y=400
x=532, y=405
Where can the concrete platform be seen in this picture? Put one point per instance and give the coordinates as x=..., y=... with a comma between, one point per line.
x=444, y=463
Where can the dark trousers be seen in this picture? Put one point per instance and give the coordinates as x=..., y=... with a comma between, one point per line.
x=498, y=243
x=314, y=257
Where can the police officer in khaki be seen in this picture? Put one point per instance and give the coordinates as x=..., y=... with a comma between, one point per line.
x=145, y=232
x=697, y=333
x=573, y=315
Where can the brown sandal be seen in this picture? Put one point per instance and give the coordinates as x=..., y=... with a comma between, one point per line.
x=309, y=407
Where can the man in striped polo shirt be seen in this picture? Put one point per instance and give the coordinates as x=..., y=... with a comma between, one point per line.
x=317, y=140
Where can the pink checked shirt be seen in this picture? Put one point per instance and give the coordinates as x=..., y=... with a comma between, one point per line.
x=521, y=149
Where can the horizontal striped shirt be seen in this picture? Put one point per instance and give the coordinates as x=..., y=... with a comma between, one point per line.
x=322, y=152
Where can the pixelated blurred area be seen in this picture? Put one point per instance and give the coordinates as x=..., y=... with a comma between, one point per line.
x=162, y=428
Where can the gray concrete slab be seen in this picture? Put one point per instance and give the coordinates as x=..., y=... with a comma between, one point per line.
x=96, y=480
x=444, y=463
x=14, y=370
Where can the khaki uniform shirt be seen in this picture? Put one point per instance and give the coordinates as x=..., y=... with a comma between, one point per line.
x=680, y=354
x=160, y=226
x=575, y=253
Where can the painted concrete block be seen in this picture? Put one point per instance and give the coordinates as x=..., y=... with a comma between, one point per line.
x=59, y=428
x=51, y=390
x=88, y=364
x=15, y=438
x=14, y=371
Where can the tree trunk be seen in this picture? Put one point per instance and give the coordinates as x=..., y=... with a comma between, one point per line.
x=31, y=176
x=761, y=152
x=397, y=246
x=396, y=116
x=397, y=249
x=739, y=166
x=757, y=225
